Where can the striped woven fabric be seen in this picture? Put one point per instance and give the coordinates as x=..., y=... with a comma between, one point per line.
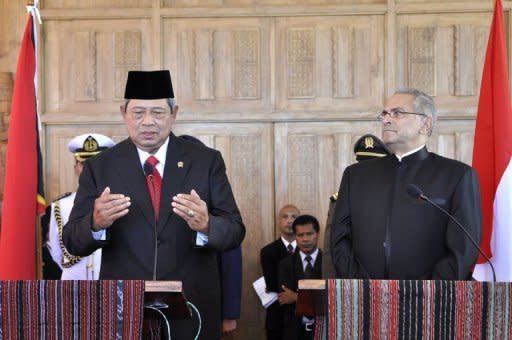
x=71, y=309
x=371, y=309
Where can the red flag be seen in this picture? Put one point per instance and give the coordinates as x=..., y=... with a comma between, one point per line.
x=22, y=194
x=493, y=150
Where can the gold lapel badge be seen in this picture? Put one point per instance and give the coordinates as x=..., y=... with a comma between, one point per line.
x=180, y=164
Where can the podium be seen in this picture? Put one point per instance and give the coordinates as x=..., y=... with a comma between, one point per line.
x=103, y=309
x=163, y=301
x=407, y=309
x=168, y=296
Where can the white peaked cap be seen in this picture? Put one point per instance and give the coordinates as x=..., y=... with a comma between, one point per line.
x=88, y=145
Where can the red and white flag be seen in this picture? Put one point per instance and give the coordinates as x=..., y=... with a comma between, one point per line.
x=23, y=195
x=492, y=155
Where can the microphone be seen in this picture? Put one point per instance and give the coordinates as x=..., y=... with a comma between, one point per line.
x=148, y=169
x=148, y=172
x=415, y=192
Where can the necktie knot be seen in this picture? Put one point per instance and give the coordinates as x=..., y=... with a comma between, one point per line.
x=308, y=259
x=290, y=248
x=152, y=160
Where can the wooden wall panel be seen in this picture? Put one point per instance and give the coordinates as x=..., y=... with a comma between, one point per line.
x=453, y=139
x=77, y=4
x=443, y=54
x=330, y=63
x=255, y=3
x=282, y=87
x=86, y=62
x=12, y=24
x=219, y=66
x=430, y=1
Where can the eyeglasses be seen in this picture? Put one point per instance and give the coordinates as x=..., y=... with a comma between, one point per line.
x=397, y=114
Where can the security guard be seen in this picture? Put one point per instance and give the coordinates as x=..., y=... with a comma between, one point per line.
x=75, y=267
x=366, y=147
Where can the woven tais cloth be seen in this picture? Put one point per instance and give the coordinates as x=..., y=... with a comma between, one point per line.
x=371, y=309
x=71, y=309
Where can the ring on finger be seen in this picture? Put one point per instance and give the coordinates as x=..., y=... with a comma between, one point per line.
x=190, y=213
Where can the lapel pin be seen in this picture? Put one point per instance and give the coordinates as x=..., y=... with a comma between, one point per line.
x=180, y=164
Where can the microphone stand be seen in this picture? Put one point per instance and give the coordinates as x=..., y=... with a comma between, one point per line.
x=425, y=198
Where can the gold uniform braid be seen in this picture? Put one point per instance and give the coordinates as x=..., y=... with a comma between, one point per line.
x=67, y=260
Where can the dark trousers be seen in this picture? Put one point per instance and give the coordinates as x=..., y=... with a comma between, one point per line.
x=274, y=334
x=306, y=334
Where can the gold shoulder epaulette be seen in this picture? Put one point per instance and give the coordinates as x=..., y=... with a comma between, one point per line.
x=64, y=195
x=334, y=197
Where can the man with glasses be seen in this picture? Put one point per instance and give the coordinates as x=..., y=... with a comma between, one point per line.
x=164, y=205
x=379, y=231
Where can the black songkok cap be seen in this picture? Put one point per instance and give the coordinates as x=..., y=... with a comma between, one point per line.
x=148, y=85
x=369, y=146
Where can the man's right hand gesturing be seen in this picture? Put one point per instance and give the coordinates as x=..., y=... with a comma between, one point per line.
x=108, y=208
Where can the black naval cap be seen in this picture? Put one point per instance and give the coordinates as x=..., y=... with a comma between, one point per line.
x=148, y=85
x=369, y=146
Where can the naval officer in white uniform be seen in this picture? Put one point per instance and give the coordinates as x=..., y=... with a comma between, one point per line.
x=75, y=267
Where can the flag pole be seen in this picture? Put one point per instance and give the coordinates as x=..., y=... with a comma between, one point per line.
x=33, y=9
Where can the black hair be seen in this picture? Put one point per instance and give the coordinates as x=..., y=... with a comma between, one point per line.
x=304, y=220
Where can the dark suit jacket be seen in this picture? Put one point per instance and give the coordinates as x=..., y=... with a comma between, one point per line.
x=328, y=271
x=381, y=232
x=291, y=271
x=270, y=256
x=231, y=278
x=128, y=252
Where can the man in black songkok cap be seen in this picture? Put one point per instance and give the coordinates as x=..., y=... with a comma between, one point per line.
x=165, y=204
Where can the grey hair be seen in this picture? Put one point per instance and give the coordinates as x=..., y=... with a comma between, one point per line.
x=170, y=101
x=423, y=103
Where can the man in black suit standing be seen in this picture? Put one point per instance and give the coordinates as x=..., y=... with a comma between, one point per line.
x=270, y=256
x=165, y=205
x=306, y=263
x=366, y=147
x=379, y=231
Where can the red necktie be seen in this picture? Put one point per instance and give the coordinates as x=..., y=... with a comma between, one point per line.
x=154, y=183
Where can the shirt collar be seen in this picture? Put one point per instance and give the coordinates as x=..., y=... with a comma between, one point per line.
x=286, y=243
x=409, y=153
x=161, y=155
x=313, y=257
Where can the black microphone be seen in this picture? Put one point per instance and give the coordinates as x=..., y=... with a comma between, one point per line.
x=148, y=172
x=416, y=192
x=148, y=169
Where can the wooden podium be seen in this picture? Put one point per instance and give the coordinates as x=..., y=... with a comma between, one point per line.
x=312, y=297
x=168, y=296
x=407, y=309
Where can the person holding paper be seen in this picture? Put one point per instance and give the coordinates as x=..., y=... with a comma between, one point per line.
x=270, y=256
